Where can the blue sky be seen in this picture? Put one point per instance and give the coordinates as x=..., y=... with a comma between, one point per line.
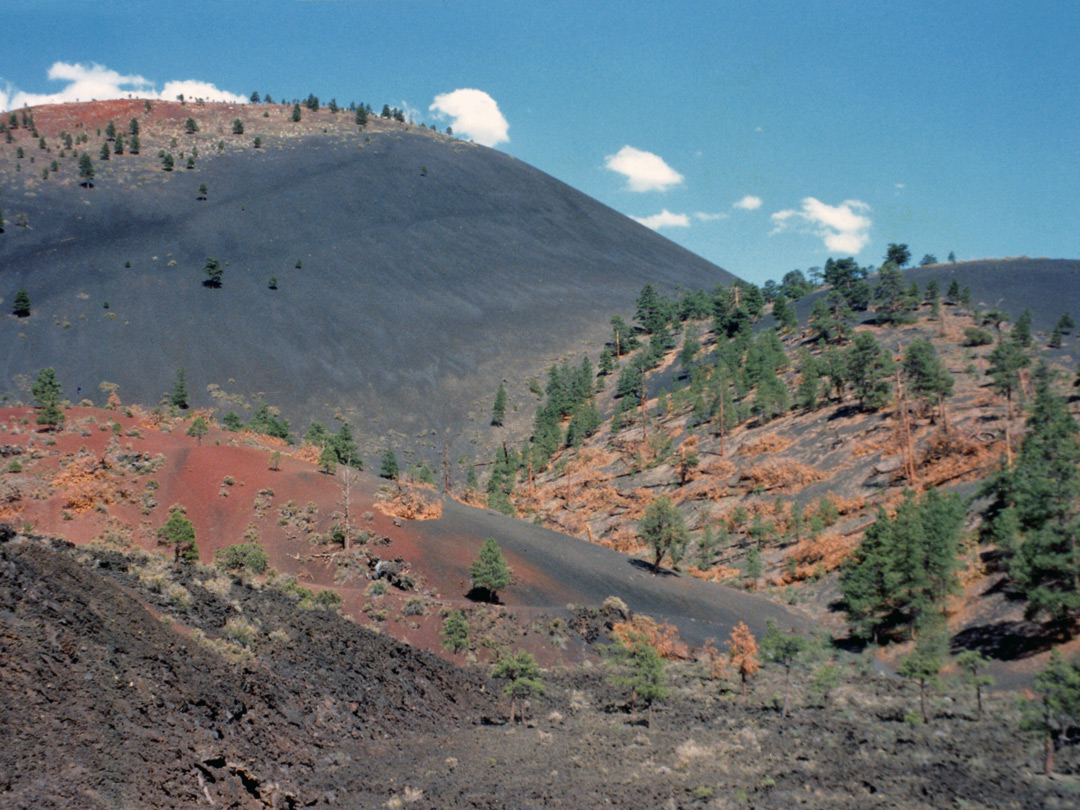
x=764, y=136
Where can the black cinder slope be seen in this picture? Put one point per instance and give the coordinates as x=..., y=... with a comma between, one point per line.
x=429, y=270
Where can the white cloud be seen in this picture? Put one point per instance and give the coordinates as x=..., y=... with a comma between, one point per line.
x=644, y=171
x=85, y=83
x=473, y=113
x=665, y=219
x=706, y=217
x=844, y=228
x=748, y=203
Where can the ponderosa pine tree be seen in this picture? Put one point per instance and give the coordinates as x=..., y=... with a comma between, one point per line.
x=489, y=572
x=522, y=676
x=388, y=466
x=455, y=631
x=498, y=410
x=179, y=532
x=328, y=459
x=1044, y=485
x=198, y=429
x=86, y=170
x=179, y=395
x=973, y=665
x=20, y=306
x=1057, y=709
x=923, y=664
x=786, y=650
x=642, y=670
x=869, y=367
x=928, y=379
x=214, y=272
x=664, y=531
x=905, y=566
x=1006, y=361
x=47, y=395
x=898, y=254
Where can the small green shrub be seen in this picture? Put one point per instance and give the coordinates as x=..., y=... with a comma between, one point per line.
x=240, y=629
x=377, y=588
x=243, y=557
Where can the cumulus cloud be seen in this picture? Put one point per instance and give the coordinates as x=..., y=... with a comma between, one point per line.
x=844, y=228
x=473, y=113
x=84, y=83
x=665, y=219
x=748, y=203
x=644, y=171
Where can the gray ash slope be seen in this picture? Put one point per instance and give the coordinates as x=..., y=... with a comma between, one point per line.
x=430, y=269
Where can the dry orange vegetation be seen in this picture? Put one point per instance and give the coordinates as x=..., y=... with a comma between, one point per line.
x=85, y=482
x=412, y=504
x=769, y=443
x=661, y=636
x=817, y=555
x=786, y=475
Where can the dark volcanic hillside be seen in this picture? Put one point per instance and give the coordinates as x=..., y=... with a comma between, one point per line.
x=430, y=268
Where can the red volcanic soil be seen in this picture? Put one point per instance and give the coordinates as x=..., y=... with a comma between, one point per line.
x=111, y=477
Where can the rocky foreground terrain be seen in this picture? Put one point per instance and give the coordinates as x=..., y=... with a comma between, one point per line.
x=131, y=683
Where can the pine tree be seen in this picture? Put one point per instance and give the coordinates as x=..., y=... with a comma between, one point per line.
x=905, y=566
x=785, y=649
x=1057, y=710
x=1006, y=361
x=644, y=670
x=973, y=665
x=455, y=632
x=295, y=113
x=191, y=126
x=498, y=410
x=1045, y=487
x=344, y=447
x=928, y=378
x=86, y=170
x=179, y=532
x=924, y=663
x=328, y=460
x=237, y=127
x=388, y=467
x=1021, y=331
x=522, y=676
x=47, y=394
x=20, y=306
x=869, y=366
x=198, y=429
x=179, y=395
x=489, y=572
x=664, y=531
x=214, y=272
x=167, y=162
x=1055, y=338
x=806, y=395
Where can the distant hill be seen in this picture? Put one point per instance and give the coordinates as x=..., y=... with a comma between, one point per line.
x=414, y=271
x=1048, y=287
